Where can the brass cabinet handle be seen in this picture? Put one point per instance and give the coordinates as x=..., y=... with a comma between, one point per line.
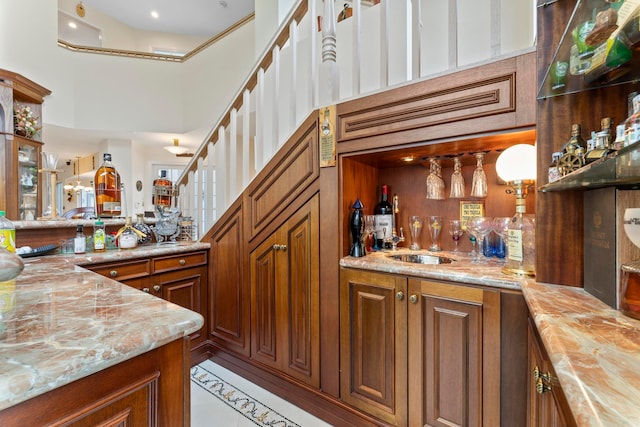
x=145, y=290
x=156, y=288
x=113, y=273
x=541, y=387
x=400, y=295
x=182, y=262
x=537, y=374
x=413, y=299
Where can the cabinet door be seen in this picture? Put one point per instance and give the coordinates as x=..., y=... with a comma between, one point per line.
x=543, y=409
x=284, y=297
x=229, y=294
x=184, y=288
x=265, y=325
x=373, y=344
x=454, y=355
x=300, y=295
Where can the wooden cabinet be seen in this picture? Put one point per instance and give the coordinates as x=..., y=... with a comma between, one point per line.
x=20, y=157
x=149, y=390
x=229, y=294
x=418, y=352
x=547, y=405
x=178, y=278
x=284, y=297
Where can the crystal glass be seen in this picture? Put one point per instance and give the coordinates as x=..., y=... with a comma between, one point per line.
x=434, y=223
x=501, y=227
x=435, y=183
x=415, y=227
x=457, y=180
x=479, y=227
x=479, y=184
x=456, y=231
x=369, y=229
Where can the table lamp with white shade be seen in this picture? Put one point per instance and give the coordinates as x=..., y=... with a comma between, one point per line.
x=517, y=167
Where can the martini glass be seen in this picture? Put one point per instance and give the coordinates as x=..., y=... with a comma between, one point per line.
x=501, y=227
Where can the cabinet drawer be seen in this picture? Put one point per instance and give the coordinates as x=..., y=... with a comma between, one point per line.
x=124, y=270
x=174, y=262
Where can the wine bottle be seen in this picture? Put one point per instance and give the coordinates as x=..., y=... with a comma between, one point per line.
x=383, y=219
x=107, y=189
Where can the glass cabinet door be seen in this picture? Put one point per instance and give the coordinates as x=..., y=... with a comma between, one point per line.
x=28, y=164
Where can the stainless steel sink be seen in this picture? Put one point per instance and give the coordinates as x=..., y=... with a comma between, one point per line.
x=422, y=258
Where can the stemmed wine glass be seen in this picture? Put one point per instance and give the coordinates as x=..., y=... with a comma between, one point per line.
x=479, y=227
x=456, y=231
x=457, y=180
x=501, y=227
x=435, y=183
x=479, y=183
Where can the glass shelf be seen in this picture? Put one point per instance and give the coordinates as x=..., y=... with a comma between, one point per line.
x=610, y=61
x=619, y=169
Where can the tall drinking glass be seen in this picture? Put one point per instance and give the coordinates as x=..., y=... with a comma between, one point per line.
x=415, y=226
x=435, y=228
x=501, y=227
x=369, y=230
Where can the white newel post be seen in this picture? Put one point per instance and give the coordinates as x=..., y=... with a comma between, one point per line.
x=329, y=79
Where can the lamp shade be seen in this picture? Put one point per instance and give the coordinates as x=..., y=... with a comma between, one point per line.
x=517, y=163
x=176, y=148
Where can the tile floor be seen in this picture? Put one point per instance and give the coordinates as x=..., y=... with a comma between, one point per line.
x=219, y=397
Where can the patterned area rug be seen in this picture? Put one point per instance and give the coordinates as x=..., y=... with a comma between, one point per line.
x=259, y=413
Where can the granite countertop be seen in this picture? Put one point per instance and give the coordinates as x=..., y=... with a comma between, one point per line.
x=486, y=273
x=60, y=322
x=594, y=350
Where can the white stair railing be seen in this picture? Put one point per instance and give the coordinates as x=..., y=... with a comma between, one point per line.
x=379, y=46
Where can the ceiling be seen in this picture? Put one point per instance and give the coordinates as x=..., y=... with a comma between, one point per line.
x=205, y=18
x=194, y=17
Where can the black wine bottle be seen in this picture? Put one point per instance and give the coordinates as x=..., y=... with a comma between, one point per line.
x=383, y=220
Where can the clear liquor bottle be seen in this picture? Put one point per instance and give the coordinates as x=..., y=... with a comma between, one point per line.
x=107, y=189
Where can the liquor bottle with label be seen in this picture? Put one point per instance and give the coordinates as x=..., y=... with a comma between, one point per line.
x=521, y=243
x=632, y=124
x=603, y=142
x=107, y=189
x=162, y=190
x=383, y=219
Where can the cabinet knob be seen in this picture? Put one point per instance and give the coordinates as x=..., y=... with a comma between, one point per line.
x=182, y=262
x=541, y=387
x=276, y=247
x=156, y=288
x=413, y=299
x=145, y=290
x=283, y=248
x=113, y=273
x=400, y=295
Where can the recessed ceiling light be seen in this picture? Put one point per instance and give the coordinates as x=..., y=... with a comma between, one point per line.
x=154, y=14
x=72, y=25
x=223, y=3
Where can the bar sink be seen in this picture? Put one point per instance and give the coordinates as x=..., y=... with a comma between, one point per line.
x=421, y=258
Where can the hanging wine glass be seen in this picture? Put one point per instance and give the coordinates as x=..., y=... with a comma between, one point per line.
x=479, y=184
x=440, y=181
x=457, y=180
x=435, y=184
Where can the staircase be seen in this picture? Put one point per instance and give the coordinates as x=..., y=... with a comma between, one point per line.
x=305, y=67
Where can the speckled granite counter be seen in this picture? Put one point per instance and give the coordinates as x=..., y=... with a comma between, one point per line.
x=487, y=273
x=62, y=322
x=595, y=351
